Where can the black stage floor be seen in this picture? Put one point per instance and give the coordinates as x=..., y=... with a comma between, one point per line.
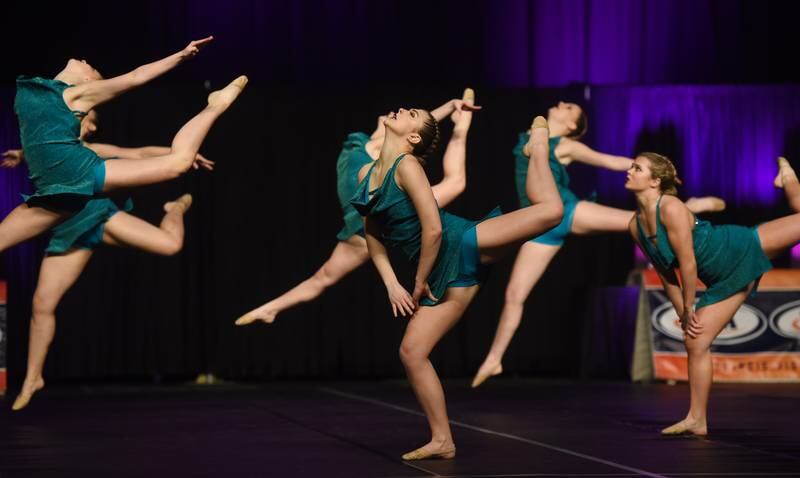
x=508, y=428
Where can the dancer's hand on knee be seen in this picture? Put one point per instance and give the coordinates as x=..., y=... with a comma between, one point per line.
x=201, y=161
x=193, y=48
x=691, y=323
x=421, y=288
x=401, y=300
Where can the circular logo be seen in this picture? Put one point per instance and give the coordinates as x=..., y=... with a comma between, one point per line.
x=785, y=320
x=747, y=324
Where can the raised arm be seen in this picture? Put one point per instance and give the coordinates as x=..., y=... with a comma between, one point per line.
x=108, y=151
x=577, y=151
x=411, y=178
x=88, y=95
x=455, y=156
x=679, y=222
x=448, y=108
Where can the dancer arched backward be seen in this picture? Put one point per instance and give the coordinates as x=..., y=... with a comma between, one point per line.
x=567, y=122
x=401, y=213
x=728, y=259
x=65, y=173
x=351, y=251
x=73, y=243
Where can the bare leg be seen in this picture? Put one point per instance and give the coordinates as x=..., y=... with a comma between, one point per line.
x=592, y=218
x=346, y=257
x=714, y=318
x=426, y=327
x=25, y=222
x=787, y=179
x=532, y=260
x=454, y=161
x=498, y=234
x=124, y=173
x=57, y=275
x=531, y=263
x=124, y=229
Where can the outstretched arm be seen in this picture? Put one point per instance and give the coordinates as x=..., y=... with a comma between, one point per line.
x=88, y=95
x=577, y=151
x=107, y=151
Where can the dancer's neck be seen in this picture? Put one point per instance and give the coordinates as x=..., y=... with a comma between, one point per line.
x=648, y=200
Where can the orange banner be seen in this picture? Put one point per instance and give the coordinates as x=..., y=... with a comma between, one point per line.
x=754, y=367
x=775, y=279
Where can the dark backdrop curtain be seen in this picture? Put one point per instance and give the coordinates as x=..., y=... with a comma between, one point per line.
x=724, y=139
x=508, y=43
x=267, y=217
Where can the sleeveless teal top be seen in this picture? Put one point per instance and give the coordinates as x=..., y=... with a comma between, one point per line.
x=57, y=161
x=392, y=209
x=351, y=159
x=729, y=257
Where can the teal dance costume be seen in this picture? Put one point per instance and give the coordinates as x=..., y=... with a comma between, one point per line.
x=351, y=159
x=65, y=173
x=728, y=257
x=458, y=262
x=556, y=235
x=84, y=230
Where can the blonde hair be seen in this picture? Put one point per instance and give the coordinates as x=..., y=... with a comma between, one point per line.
x=662, y=168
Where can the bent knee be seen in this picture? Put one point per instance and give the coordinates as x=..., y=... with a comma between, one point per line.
x=700, y=345
x=555, y=213
x=410, y=354
x=323, y=278
x=515, y=296
x=170, y=247
x=181, y=162
x=44, y=305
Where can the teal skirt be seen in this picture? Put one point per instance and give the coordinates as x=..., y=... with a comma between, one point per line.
x=85, y=229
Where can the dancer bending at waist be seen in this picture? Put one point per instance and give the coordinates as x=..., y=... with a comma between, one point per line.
x=567, y=122
x=729, y=260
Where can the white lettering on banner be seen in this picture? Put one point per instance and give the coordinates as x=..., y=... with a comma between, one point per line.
x=747, y=324
x=785, y=320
